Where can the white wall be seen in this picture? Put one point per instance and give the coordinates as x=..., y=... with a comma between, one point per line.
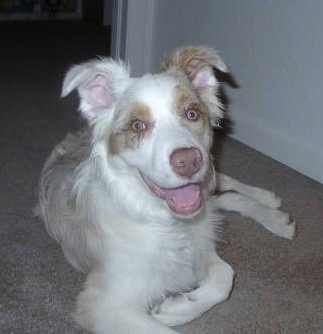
x=275, y=52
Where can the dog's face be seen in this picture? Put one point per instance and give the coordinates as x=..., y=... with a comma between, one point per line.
x=158, y=125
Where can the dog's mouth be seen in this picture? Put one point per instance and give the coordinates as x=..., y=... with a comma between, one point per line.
x=184, y=200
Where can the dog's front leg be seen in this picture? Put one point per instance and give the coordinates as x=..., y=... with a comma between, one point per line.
x=214, y=288
x=263, y=196
x=102, y=309
x=276, y=221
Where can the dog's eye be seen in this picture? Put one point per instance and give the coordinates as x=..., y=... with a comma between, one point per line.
x=138, y=125
x=192, y=115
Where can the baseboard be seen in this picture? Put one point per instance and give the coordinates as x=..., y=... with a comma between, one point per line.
x=294, y=151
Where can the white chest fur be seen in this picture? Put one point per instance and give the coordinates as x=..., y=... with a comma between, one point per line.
x=153, y=259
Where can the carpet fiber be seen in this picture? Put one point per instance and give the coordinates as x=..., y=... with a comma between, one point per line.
x=279, y=284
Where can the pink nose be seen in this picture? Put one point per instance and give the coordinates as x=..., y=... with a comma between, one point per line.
x=186, y=161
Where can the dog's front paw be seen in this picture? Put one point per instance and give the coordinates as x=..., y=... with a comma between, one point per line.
x=281, y=224
x=175, y=310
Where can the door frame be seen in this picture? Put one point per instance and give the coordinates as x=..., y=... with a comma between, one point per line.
x=132, y=33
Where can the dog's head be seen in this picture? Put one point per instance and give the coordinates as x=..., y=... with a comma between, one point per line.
x=157, y=127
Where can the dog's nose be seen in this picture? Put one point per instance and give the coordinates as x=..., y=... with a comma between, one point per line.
x=186, y=161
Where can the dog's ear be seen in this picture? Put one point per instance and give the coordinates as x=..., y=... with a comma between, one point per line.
x=199, y=64
x=99, y=82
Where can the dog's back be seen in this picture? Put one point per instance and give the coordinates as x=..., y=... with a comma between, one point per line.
x=57, y=198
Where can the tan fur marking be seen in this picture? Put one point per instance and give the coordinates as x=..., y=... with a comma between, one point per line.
x=127, y=137
x=185, y=100
x=190, y=59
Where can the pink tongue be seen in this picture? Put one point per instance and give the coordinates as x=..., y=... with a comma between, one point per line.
x=185, y=199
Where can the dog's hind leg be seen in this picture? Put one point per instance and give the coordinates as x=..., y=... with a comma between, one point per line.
x=102, y=310
x=276, y=221
x=263, y=196
x=214, y=288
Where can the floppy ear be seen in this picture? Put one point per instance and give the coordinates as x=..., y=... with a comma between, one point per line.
x=99, y=82
x=198, y=64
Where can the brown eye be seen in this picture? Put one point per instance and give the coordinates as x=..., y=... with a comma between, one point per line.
x=192, y=115
x=138, y=125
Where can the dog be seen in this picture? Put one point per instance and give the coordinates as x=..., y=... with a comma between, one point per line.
x=134, y=199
